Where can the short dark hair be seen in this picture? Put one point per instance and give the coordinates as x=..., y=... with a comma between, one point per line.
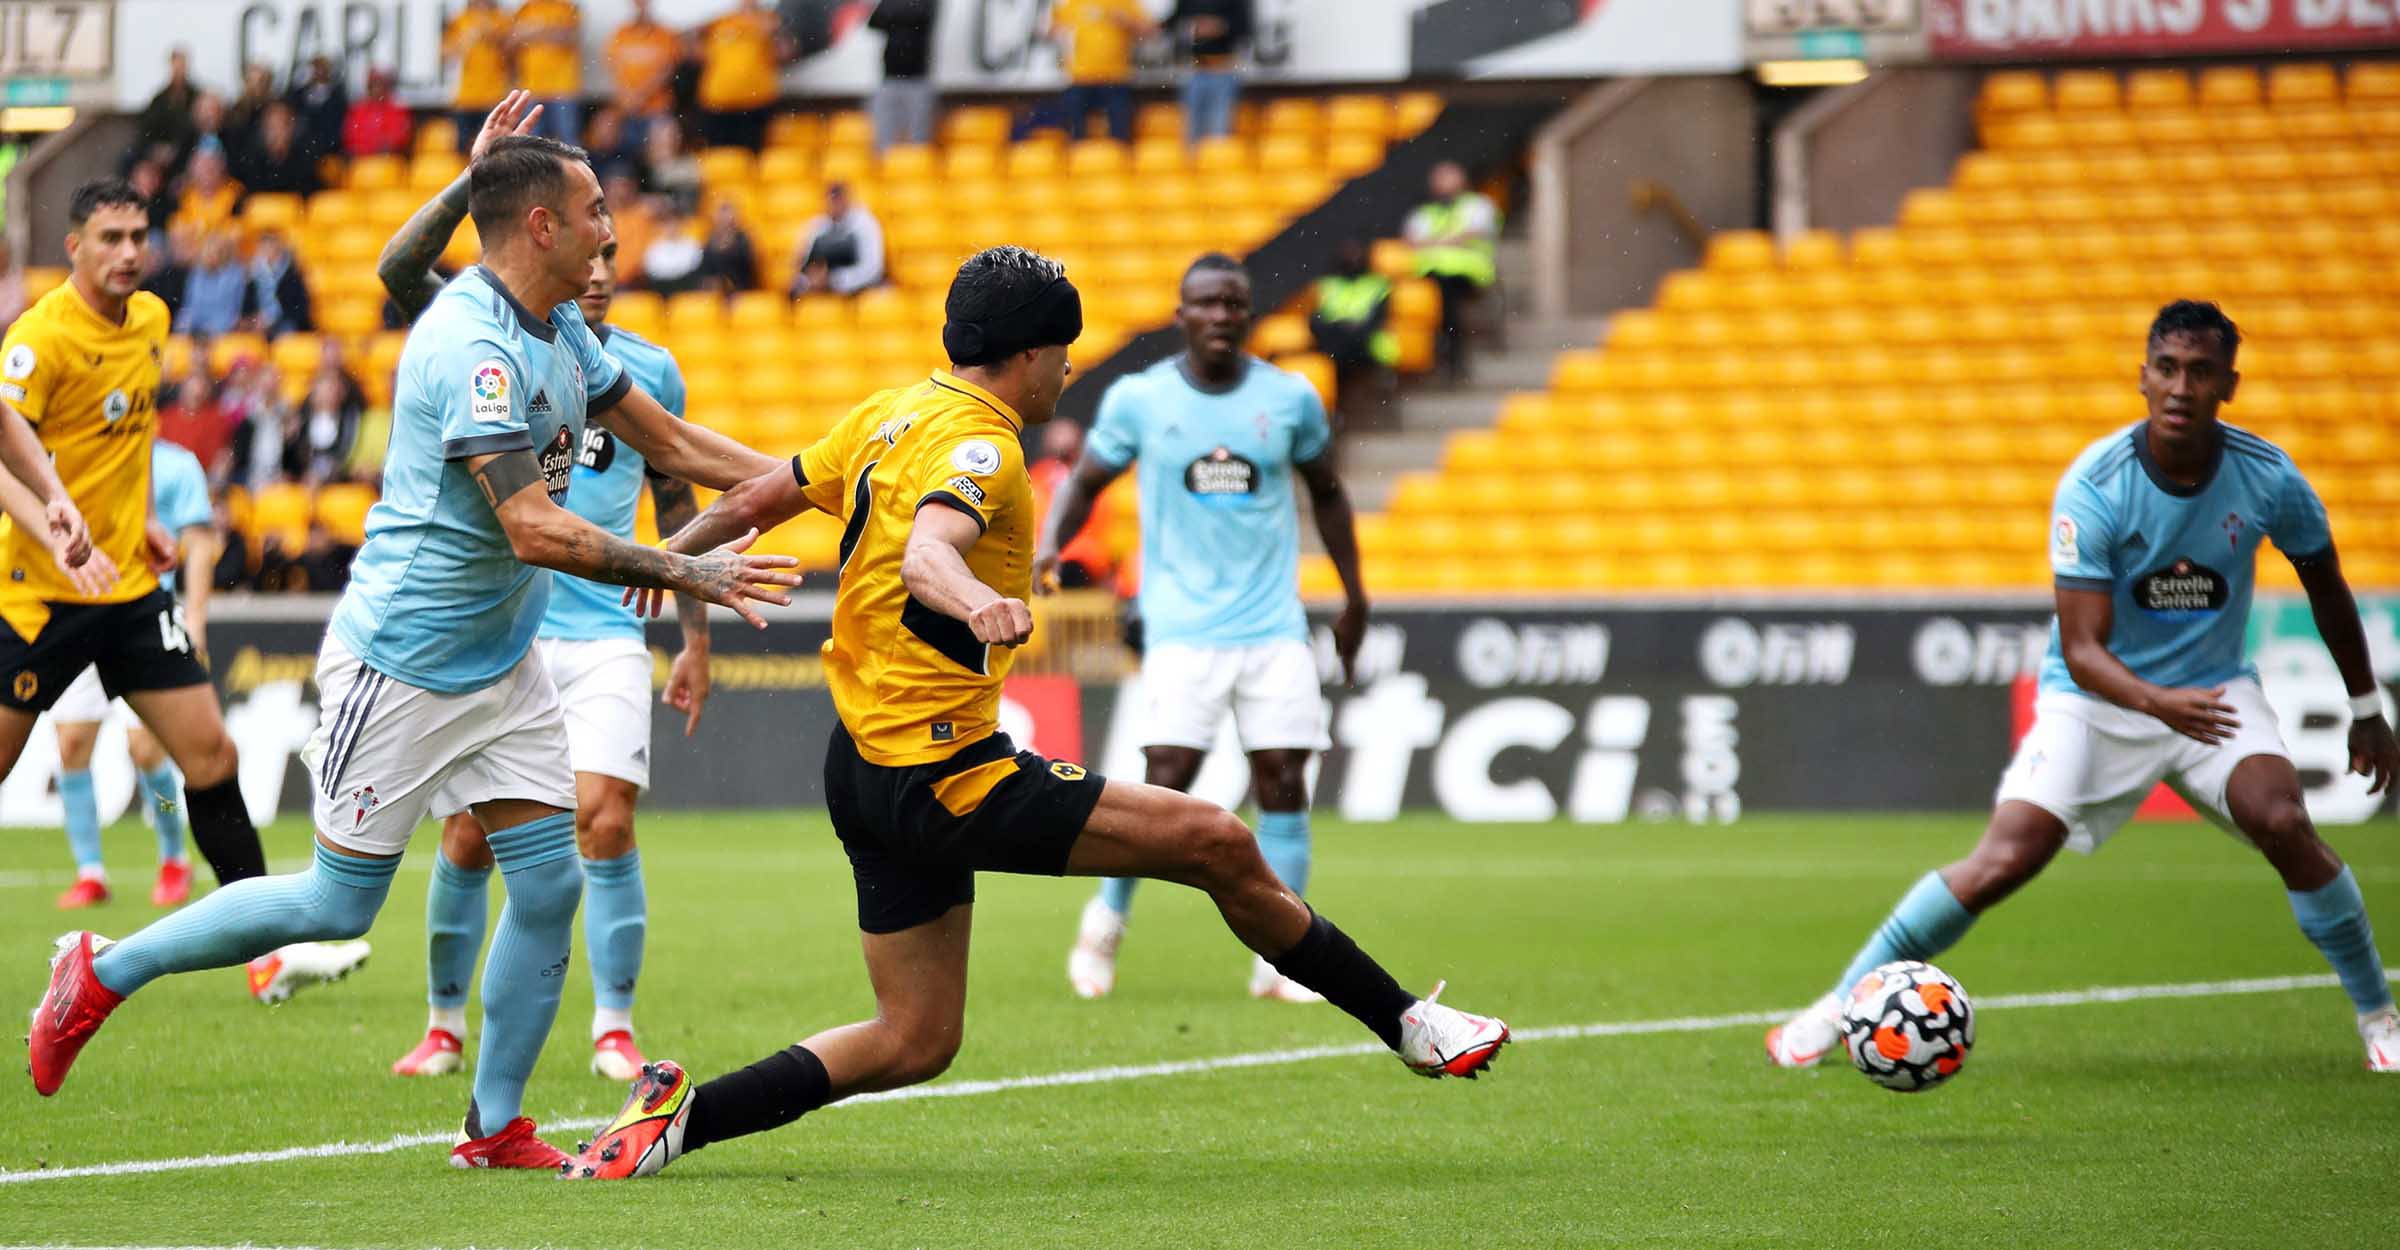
x=1005, y=300
x=516, y=173
x=2197, y=317
x=102, y=193
x=1215, y=262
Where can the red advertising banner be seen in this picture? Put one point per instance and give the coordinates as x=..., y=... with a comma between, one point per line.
x=1985, y=30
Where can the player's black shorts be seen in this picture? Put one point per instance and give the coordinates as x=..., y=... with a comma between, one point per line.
x=138, y=645
x=918, y=834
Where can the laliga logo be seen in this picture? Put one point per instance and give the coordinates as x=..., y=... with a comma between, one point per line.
x=491, y=383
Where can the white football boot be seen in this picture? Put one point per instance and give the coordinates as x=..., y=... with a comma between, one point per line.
x=1269, y=984
x=2381, y=1033
x=1441, y=1041
x=287, y=970
x=1806, y=1038
x=1092, y=965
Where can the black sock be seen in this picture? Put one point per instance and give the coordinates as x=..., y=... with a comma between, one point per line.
x=1327, y=961
x=222, y=830
x=768, y=1094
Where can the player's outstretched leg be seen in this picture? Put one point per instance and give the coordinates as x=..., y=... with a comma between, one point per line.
x=522, y=980
x=1935, y=913
x=2263, y=797
x=1100, y=931
x=457, y=906
x=336, y=898
x=616, y=917
x=1146, y=831
x=919, y=974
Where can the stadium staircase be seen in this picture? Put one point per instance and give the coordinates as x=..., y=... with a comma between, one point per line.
x=1890, y=411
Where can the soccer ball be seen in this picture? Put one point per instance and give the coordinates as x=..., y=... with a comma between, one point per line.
x=1908, y=1026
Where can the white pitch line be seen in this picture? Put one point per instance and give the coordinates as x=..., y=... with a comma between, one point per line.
x=1220, y=1063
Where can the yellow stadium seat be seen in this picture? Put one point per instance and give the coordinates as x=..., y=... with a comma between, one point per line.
x=225, y=349
x=1317, y=368
x=1288, y=153
x=758, y=311
x=2371, y=82
x=271, y=211
x=465, y=246
x=431, y=171
x=1221, y=154
x=1160, y=156
x=785, y=167
x=2013, y=91
x=2230, y=86
x=2158, y=88
x=1740, y=250
x=1036, y=158
x=1414, y=111
x=849, y=128
x=1813, y=249
x=909, y=163
x=1095, y=157
x=2303, y=83
x=795, y=130
x=1348, y=156
x=2085, y=91
x=377, y=173
x=341, y=507
x=975, y=125
x=1362, y=116
x=693, y=312
x=437, y=134
x=1293, y=115
x=280, y=512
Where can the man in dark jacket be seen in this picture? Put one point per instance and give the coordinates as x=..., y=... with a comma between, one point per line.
x=903, y=104
x=1214, y=34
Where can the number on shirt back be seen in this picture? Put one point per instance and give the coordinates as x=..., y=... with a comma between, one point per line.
x=171, y=636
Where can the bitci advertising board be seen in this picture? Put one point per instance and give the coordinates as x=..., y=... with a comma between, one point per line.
x=1593, y=714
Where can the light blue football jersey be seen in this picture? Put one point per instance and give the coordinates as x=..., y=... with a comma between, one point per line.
x=606, y=490
x=178, y=493
x=1220, y=529
x=436, y=597
x=2179, y=561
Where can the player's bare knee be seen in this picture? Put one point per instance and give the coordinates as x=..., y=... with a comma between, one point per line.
x=213, y=764
x=604, y=830
x=1224, y=852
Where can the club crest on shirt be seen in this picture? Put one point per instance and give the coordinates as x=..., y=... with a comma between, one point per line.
x=558, y=460
x=114, y=408
x=2233, y=530
x=2184, y=586
x=20, y=361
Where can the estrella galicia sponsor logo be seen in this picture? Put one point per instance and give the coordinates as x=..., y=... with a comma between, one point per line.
x=558, y=460
x=1221, y=474
x=2184, y=586
x=599, y=448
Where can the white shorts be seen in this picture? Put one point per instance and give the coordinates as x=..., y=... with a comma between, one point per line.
x=82, y=702
x=1271, y=689
x=2091, y=763
x=604, y=685
x=386, y=754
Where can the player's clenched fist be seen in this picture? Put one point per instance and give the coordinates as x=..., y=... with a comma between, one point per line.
x=1002, y=622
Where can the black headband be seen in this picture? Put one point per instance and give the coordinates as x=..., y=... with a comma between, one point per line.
x=1050, y=317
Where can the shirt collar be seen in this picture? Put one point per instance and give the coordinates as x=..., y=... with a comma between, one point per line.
x=538, y=327
x=952, y=382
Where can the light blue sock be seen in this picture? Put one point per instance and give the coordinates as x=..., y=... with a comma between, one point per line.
x=2334, y=916
x=83, y=819
x=1117, y=892
x=457, y=905
x=616, y=917
x=1928, y=921
x=527, y=969
x=336, y=898
x=164, y=790
x=1283, y=839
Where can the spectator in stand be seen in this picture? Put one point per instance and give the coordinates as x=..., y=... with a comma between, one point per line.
x=149, y=178
x=216, y=296
x=642, y=56
x=741, y=69
x=1456, y=234
x=636, y=219
x=322, y=103
x=259, y=434
x=1214, y=34
x=378, y=124
x=258, y=91
x=12, y=286
x=173, y=271
x=333, y=362
x=843, y=251
x=167, y=120
x=207, y=135
x=277, y=292
x=1099, y=36
x=272, y=160
x=671, y=263
x=321, y=434
x=903, y=103
x=195, y=422
x=210, y=195
x=1350, y=325
x=476, y=44
x=728, y=261
x=609, y=144
x=1086, y=561
x=674, y=172
x=547, y=36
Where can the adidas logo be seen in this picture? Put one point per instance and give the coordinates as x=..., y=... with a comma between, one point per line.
x=540, y=407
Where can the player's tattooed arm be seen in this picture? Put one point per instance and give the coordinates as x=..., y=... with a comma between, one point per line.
x=1070, y=511
x=2374, y=752
x=544, y=534
x=406, y=265
x=1329, y=501
x=680, y=448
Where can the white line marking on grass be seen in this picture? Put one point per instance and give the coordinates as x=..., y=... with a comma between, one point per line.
x=1220, y=1063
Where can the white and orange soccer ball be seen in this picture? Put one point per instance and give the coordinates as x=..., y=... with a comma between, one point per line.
x=1908, y=1026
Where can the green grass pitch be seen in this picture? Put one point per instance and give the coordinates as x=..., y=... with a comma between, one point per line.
x=2230, y=1121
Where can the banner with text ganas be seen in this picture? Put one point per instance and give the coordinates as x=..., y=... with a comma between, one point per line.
x=2068, y=29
